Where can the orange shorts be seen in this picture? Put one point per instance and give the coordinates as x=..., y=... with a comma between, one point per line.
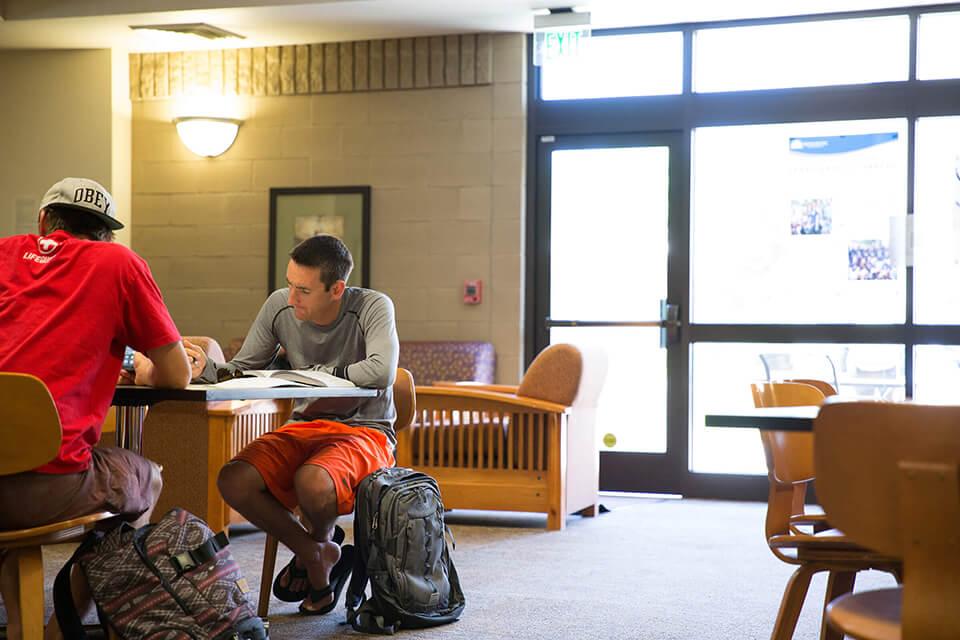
x=348, y=454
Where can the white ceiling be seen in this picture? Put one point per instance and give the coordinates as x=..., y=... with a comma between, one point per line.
x=73, y=24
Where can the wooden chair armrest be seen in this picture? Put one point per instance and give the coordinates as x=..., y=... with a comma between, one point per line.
x=507, y=400
x=481, y=386
x=818, y=522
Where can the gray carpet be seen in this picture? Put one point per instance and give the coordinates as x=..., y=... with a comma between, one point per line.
x=649, y=569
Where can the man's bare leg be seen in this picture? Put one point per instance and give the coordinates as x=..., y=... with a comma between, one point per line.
x=243, y=489
x=317, y=496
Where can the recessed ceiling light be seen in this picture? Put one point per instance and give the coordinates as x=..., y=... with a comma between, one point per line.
x=201, y=29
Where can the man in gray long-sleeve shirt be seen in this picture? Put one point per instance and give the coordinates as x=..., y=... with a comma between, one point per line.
x=316, y=462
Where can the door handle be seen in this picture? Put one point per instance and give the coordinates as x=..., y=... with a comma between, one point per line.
x=669, y=323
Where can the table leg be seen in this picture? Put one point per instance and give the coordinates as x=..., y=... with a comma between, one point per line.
x=130, y=427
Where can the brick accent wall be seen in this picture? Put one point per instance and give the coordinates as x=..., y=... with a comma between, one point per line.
x=446, y=167
x=333, y=67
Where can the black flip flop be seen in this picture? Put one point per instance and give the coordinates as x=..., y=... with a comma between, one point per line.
x=298, y=573
x=338, y=580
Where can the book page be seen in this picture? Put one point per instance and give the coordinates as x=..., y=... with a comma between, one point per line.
x=317, y=378
x=257, y=383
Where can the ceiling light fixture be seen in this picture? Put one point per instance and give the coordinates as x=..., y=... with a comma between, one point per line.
x=201, y=29
x=207, y=136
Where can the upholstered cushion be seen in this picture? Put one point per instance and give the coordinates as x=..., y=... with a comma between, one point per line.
x=434, y=360
x=554, y=375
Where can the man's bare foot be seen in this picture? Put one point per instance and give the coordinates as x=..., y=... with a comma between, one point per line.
x=318, y=565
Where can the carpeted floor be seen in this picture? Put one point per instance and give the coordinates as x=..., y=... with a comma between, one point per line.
x=649, y=569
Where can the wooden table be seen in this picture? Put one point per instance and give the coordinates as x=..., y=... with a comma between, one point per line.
x=767, y=418
x=193, y=432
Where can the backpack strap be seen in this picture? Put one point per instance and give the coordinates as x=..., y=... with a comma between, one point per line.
x=63, y=605
x=368, y=619
x=362, y=612
x=204, y=553
x=358, y=586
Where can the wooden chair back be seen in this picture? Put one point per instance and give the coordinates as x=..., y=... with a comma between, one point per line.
x=825, y=387
x=404, y=399
x=29, y=424
x=887, y=475
x=789, y=455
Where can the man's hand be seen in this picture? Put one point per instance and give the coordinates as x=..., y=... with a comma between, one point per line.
x=197, y=357
x=143, y=370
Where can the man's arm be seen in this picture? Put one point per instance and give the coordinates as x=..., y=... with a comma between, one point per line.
x=379, y=369
x=166, y=367
x=259, y=347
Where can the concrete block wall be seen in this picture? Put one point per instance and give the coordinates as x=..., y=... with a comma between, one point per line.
x=446, y=167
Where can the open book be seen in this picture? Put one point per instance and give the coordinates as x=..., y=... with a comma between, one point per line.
x=258, y=378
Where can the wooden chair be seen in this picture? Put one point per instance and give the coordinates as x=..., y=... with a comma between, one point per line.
x=795, y=537
x=888, y=475
x=525, y=448
x=825, y=387
x=31, y=436
x=405, y=401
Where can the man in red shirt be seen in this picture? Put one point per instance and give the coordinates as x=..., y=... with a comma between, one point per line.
x=70, y=302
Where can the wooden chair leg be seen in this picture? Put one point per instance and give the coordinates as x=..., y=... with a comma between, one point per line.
x=793, y=596
x=556, y=521
x=838, y=584
x=266, y=576
x=30, y=583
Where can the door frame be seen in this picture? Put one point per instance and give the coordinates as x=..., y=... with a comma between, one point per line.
x=626, y=471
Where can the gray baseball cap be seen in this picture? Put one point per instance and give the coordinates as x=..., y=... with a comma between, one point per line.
x=84, y=195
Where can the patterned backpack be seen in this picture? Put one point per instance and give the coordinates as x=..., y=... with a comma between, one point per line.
x=173, y=580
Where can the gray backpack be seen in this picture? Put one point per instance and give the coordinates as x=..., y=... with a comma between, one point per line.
x=402, y=550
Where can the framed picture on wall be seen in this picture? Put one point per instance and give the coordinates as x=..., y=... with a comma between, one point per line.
x=299, y=213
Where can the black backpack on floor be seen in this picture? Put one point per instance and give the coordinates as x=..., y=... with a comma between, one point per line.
x=402, y=550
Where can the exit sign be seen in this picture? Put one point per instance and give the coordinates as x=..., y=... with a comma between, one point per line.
x=559, y=35
x=553, y=45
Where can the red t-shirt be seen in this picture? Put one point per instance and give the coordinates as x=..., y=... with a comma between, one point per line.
x=68, y=307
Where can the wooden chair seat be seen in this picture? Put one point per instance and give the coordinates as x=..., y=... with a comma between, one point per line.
x=53, y=533
x=869, y=614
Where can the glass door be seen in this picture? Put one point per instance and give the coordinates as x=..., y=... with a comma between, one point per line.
x=611, y=258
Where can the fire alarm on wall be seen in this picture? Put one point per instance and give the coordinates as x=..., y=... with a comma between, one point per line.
x=471, y=291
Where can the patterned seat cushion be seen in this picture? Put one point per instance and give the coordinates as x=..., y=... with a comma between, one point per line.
x=434, y=360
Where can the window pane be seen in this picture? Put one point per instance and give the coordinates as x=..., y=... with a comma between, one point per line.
x=938, y=47
x=722, y=374
x=936, y=374
x=592, y=192
x=799, y=223
x=937, y=222
x=805, y=54
x=615, y=66
x=632, y=406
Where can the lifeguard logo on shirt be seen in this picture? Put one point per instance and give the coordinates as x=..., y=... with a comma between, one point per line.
x=47, y=247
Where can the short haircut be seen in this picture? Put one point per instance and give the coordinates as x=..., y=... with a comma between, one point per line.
x=327, y=253
x=76, y=223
